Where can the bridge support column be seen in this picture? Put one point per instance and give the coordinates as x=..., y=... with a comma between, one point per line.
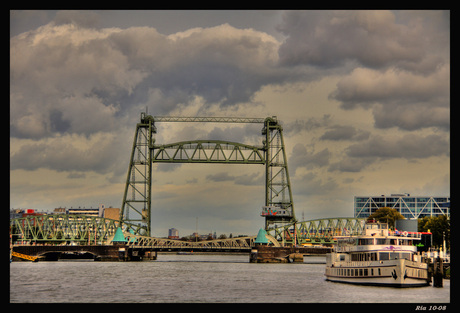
x=270, y=254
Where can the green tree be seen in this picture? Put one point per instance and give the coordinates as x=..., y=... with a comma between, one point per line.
x=439, y=226
x=386, y=215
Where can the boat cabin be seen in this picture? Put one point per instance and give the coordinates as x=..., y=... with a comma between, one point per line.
x=376, y=244
x=379, y=229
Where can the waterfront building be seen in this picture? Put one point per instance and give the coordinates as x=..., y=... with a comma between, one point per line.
x=113, y=213
x=84, y=211
x=411, y=207
x=173, y=233
x=101, y=211
x=18, y=213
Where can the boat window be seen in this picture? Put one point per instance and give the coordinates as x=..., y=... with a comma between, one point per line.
x=372, y=226
x=405, y=256
x=384, y=256
x=360, y=272
x=370, y=257
x=405, y=242
x=356, y=272
x=342, y=257
x=380, y=241
x=366, y=241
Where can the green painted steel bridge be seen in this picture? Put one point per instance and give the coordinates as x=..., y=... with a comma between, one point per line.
x=135, y=215
x=60, y=229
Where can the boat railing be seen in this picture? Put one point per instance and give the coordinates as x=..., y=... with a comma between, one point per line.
x=409, y=234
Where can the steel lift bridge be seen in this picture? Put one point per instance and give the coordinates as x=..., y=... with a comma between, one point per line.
x=135, y=214
x=136, y=206
x=280, y=220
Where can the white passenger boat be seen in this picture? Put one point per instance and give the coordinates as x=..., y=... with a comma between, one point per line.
x=377, y=257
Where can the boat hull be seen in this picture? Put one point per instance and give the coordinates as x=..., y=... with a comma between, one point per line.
x=391, y=273
x=381, y=282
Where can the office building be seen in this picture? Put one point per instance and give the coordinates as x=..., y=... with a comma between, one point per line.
x=410, y=207
x=173, y=233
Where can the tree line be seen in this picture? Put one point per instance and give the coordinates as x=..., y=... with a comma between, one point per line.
x=439, y=226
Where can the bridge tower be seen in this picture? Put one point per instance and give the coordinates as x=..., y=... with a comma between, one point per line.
x=279, y=204
x=136, y=206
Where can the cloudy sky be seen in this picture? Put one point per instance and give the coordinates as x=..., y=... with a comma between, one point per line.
x=363, y=97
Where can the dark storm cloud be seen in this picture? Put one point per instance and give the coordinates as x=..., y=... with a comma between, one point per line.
x=245, y=179
x=352, y=165
x=86, y=19
x=301, y=157
x=70, y=78
x=311, y=184
x=401, y=61
x=330, y=38
x=74, y=153
x=408, y=146
x=339, y=132
x=307, y=125
x=221, y=64
x=73, y=70
x=413, y=116
x=399, y=98
x=376, y=148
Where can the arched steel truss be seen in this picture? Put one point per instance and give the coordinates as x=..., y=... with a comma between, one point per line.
x=60, y=228
x=238, y=243
x=80, y=229
x=209, y=151
x=318, y=231
x=93, y=230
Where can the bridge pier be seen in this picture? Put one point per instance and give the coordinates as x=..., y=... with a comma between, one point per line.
x=140, y=254
x=270, y=254
x=98, y=253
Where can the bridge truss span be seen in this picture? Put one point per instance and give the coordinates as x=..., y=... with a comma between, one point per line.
x=318, y=231
x=242, y=244
x=209, y=151
x=62, y=229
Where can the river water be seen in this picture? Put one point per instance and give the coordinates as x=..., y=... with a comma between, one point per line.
x=199, y=278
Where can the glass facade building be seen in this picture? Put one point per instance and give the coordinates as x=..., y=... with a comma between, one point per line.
x=411, y=207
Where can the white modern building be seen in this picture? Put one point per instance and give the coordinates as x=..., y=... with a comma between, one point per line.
x=410, y=207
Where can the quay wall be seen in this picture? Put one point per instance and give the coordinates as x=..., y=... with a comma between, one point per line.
x=270, y=254
x=98, y=252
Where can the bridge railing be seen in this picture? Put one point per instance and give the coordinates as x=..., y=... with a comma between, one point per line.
x=318, y=231
x=63, y=227
x=237, y=243
x=81, y=229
